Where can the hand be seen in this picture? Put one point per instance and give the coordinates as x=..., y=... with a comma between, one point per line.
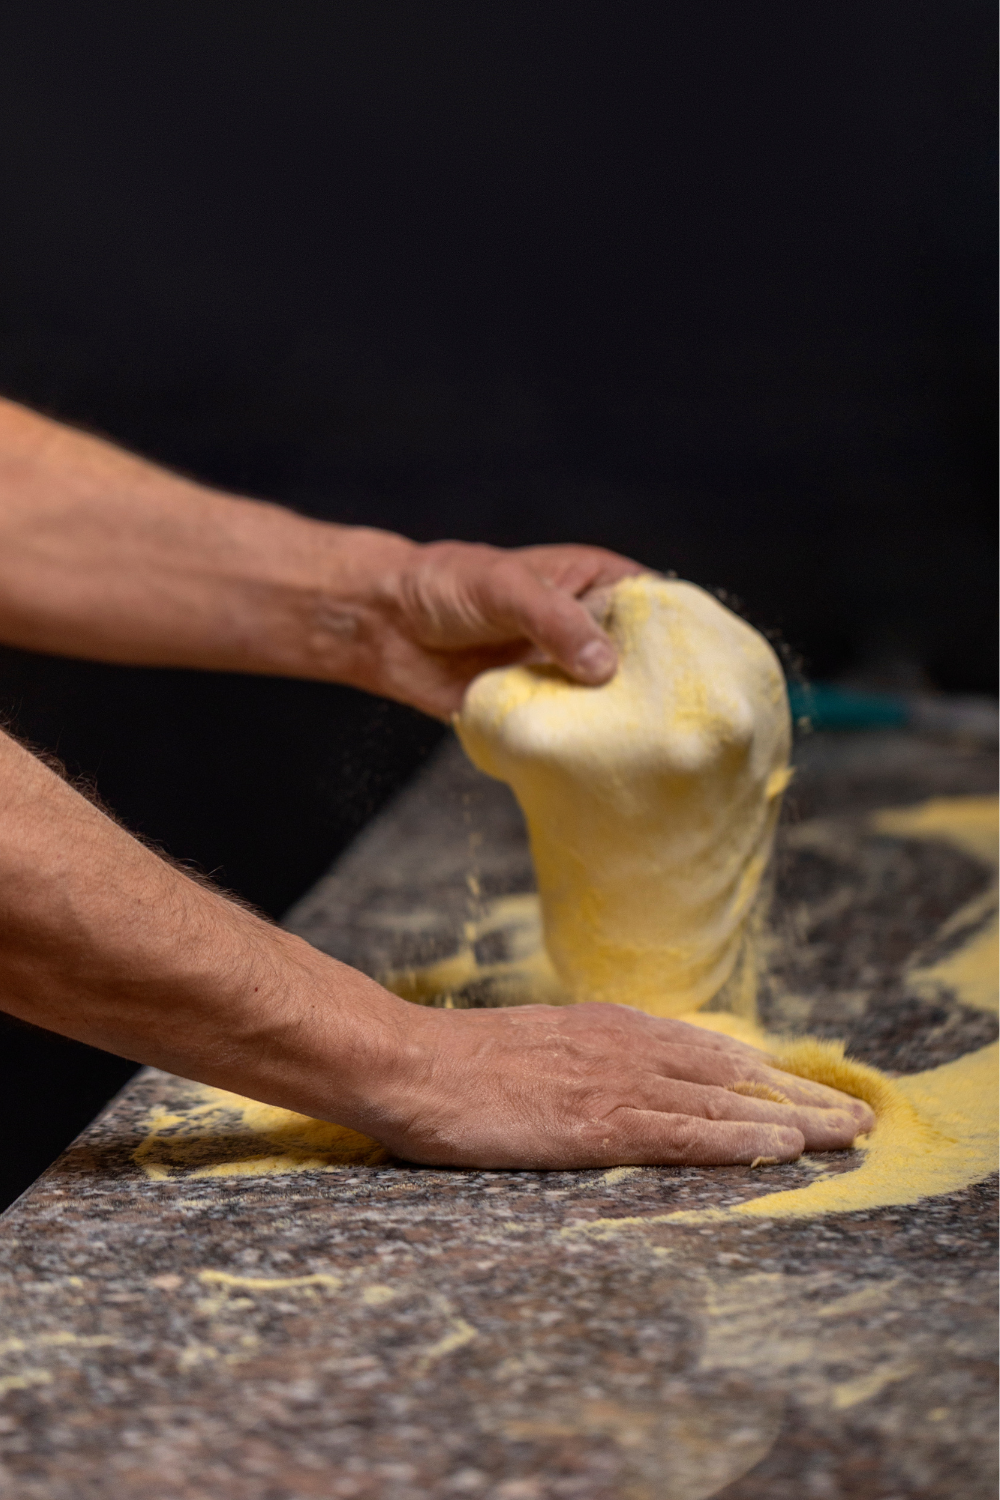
x=595, y=1085
x=437, y=615
x=104, y=555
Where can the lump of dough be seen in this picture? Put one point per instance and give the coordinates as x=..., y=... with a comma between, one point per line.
x=651, y=801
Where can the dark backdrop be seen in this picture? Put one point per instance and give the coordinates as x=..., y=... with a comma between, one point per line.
x=708, y=283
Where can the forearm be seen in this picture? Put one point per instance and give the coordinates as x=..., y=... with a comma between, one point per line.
x=104, y=555
x=103, y=941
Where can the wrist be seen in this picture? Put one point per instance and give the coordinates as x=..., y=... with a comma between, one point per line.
x=328, y=594
x=311, y=1034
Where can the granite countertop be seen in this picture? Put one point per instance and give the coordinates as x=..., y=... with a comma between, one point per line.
x=187, y=1316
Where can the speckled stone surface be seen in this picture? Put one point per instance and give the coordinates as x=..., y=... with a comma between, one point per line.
x=399, y=1332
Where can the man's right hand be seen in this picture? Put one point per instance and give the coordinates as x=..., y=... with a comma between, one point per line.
x=591, y=1085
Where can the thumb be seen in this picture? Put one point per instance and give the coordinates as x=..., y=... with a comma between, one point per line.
x=560, y=625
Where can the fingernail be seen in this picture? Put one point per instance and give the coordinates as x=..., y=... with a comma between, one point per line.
x=596, y=661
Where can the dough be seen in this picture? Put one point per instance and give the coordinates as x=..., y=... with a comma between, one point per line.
x=651, y=801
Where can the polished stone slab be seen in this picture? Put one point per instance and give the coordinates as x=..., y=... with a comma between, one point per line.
x=182, y=1320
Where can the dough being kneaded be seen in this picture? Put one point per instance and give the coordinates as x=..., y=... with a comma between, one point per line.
x=651, y=801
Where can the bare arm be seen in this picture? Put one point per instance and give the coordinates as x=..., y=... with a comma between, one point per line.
x=106, y=556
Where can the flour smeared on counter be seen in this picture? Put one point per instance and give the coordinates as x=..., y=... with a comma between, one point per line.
x=218, y=1134
x=971, y=824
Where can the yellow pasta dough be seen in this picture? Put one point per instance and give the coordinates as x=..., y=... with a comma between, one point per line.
x=651, y=801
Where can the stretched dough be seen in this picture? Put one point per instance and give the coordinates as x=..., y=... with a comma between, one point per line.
x=651, y=801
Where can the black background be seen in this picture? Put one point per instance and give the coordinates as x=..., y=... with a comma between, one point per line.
x=707, y=283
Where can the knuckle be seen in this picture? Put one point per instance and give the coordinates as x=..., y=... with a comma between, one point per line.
x=685, y=1135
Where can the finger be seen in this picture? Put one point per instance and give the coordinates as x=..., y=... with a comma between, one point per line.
x=646, y=1138
x=551, y=618
x=702, y=1065
x=822, y=1129
x=818, y=1095
x=804, y=1090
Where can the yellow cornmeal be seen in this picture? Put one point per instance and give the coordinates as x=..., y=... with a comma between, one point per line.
x=224, y=1135
x=970, y=823
x=936, y=1131
x=973, y=825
